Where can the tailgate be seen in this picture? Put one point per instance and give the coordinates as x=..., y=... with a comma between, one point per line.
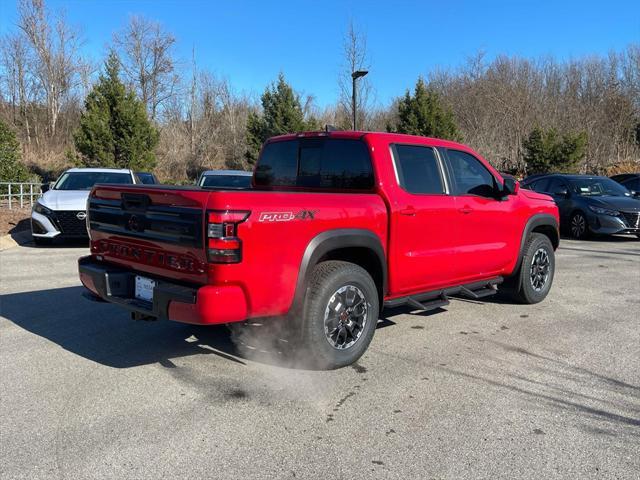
x=156, y=230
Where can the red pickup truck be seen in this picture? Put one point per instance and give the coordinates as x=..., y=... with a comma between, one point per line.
x=336, y=226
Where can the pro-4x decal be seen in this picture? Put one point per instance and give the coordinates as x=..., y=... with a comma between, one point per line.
x=287, y=216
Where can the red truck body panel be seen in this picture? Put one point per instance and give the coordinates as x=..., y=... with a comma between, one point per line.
x=276, y=235
x=429, y=242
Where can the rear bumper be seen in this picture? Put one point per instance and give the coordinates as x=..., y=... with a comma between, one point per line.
x=205, y=305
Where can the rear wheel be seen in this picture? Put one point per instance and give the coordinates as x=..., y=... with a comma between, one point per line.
x=536, y=270
x=339, y=315
x=578, y=226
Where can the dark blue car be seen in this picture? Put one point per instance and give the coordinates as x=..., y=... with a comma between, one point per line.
x=590, y=204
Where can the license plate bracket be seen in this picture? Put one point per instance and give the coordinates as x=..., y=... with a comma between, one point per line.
x=144, y=288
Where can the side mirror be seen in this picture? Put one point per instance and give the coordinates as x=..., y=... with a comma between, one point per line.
x=635, y=194
x=45, y=187
x=510, y=186
x=563, y=192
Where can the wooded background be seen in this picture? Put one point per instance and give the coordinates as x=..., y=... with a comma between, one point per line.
x=202, y=120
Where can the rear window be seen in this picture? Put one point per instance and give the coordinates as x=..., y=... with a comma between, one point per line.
x=226, y=181
x=541, y=186
x=146, y=178
x=316, y=163
x=418, y=170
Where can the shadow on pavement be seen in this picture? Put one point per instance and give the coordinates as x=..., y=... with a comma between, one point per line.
x=601, y=238
x=58, y=243
x=608, y=252
x=105, y=334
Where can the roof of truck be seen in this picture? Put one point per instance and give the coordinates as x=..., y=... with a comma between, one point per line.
x=357, y=134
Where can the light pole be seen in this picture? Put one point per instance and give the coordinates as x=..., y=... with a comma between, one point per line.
x=354, y=76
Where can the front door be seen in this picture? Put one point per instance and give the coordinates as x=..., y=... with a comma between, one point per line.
x=488, y=235
x=422, y=223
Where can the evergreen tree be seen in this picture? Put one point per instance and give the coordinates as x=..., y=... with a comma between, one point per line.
x=424, y=114
x=114, y=129
x=11, y=167
x=547, y=151
x=281, y=113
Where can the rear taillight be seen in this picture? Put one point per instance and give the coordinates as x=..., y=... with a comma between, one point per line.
x=223, y=244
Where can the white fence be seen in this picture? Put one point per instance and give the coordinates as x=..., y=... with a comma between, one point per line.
x=19, y=195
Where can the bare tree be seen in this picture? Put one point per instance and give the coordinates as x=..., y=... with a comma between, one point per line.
x=146, y=50
x=355, y=58
x=203, y=127
x=56, y=61
x=17, y=80
x=496, y=105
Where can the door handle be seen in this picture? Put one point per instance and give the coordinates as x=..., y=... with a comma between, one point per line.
x=466, y=209
x=409, y=211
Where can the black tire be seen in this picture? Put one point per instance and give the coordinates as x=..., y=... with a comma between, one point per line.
x=349, y=330
x=533, y=286
x=579, y=226
x=42, y=242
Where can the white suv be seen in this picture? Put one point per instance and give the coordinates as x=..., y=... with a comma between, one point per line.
x=61, y=211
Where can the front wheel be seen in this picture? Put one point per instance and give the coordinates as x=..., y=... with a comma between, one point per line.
x=339, y=316
x=579, y=227
x=536, y=270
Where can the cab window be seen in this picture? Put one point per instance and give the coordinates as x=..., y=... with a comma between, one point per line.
x=316, y=163
x=470, y=176
x=417, y=168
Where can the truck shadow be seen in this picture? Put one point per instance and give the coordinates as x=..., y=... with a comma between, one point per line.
x=105, y=334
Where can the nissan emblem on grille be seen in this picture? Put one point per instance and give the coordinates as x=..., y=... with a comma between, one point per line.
x=81, y=215
x=134, y=224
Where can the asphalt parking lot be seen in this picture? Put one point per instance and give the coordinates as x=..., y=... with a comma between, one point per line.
x=478, y=390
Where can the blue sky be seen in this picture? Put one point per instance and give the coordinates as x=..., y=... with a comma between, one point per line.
x=249, y=42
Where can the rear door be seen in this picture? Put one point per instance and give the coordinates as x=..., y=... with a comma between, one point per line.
x=422, y=222
x=558, y=188
x=487, y=229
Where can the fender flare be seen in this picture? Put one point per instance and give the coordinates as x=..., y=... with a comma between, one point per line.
x=328, y=241
x=538, y=220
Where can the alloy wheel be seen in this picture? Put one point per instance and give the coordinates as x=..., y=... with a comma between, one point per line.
x=345, y=317
x=540, y=266
x=578, y=225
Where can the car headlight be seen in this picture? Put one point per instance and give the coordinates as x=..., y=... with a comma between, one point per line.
x=39, y=208
x=604, y=211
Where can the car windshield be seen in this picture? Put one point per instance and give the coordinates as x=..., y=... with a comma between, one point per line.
x=146, y=178
x=226, y=181
x=598, y=186
x=86, y=180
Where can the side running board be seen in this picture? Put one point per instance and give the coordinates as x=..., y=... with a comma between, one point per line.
x=488, y=290
x=438, y=302
x=435, y=299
